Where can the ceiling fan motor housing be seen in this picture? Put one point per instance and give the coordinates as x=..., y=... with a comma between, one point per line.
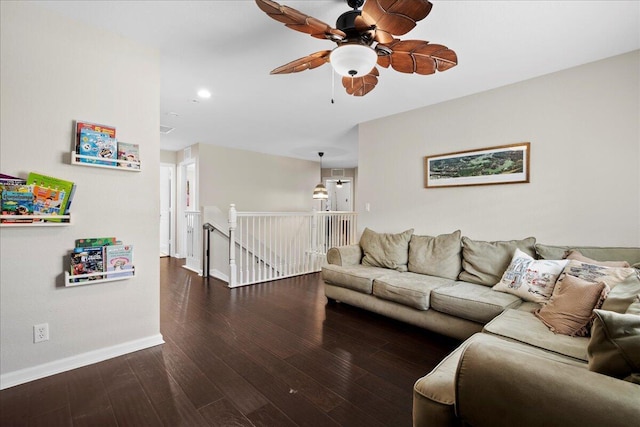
x=347, y=24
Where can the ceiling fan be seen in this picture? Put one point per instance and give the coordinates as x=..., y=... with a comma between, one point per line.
x=366, y=37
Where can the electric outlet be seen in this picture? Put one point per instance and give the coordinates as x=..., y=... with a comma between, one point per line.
x=41, y=332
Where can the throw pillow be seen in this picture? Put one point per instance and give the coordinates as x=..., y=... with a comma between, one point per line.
x=485, y=262
x=570, y=308
x=530, y=279
x=597, y=273
x=386, y=250
x=577, y=255
x=614, y=347
x=436, y=256
x=623, y=294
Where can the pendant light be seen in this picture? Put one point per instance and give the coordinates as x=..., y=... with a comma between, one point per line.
x=339, y=184
x=320, y=192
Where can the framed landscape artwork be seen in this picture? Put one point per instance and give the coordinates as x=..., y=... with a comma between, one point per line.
x=504, y=164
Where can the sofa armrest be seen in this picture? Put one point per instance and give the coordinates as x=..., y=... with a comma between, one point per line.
x=345, y=255
x=501, y=384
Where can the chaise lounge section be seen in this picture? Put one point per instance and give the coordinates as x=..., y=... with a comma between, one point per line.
x=518, y=353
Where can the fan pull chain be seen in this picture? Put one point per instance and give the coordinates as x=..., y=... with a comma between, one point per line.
x=333, y=85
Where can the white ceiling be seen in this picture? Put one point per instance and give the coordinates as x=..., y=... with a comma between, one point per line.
x=229, y=47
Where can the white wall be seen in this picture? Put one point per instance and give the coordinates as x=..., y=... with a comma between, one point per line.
x=255, y=181
x=583, y=125
x=53, y=71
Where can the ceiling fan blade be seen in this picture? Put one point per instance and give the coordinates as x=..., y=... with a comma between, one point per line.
x=360, y=86
x=418, y=56
x=395, y=17
x=309, y=62
x=298, y=21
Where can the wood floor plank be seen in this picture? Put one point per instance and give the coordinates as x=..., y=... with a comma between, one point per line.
x=87, y=393
x=223, y=414
x=274, y=354
x=189, y=377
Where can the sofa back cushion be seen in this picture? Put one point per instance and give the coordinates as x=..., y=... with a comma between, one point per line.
x=386, y=250
x=485, y=262
x=604, y=253
x=436, y=256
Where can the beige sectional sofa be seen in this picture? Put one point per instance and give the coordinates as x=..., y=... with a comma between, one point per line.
x=511, y=369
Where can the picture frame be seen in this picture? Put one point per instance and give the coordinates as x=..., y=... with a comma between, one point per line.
x=502, y=164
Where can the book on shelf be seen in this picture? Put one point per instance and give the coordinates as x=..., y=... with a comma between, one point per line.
x=52, y=196
x=119, y=260
x=17, y=199
x=87, y=260
x=11, y=180
x=95, y=241
x=97, y=141
x=101, y=254
x=130, y=154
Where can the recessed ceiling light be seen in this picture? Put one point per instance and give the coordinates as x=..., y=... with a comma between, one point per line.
x=205, y=94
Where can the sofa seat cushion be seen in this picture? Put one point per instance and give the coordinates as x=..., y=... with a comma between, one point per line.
x=472, y=302
x=356, y=277
x=525, y=327
x=410, y=289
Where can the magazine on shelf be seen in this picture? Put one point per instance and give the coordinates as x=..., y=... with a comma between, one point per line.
x=89, y=242
x=119, y=260
x=129, y=153
x=97, y=141
x=16, y=200
x=53, y=195
x=87, y=260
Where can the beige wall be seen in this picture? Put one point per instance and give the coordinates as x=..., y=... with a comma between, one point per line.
x=54, y=71
x=255, y=181
x=583, y=125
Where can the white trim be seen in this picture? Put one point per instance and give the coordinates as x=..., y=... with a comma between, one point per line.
x=22, y=376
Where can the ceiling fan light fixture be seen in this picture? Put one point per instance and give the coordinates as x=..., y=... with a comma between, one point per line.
x=353, y=59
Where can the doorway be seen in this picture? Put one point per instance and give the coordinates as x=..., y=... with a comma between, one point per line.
x=167, y=214
x=340, y=195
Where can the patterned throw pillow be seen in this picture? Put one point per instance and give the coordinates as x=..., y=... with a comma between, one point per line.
x=611, y=276
x=577, y=255
x=530, y=279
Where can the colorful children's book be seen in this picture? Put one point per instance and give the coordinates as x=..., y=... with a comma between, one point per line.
x=49, y=186
x=17, y=200
x=90, y=242
x=119, y=259
x=47, y=201
x=129, y=153
x=87, y=260
x=97, y=145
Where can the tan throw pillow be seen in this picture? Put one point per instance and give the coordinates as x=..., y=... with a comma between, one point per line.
x=530, y=279
x=485, y=262
x=597, y=273
x=570, y=308
x=577, y=255
x=386, y=250
x=614, y=347
x=436, y=256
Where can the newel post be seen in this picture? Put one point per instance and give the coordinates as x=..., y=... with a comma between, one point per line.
x=233, y=223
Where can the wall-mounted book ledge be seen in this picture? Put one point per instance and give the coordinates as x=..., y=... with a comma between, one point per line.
x=97, y=277
x=35, y=220
x=100, y=162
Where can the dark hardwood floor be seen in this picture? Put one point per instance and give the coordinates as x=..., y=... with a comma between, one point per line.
x=273, y=354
